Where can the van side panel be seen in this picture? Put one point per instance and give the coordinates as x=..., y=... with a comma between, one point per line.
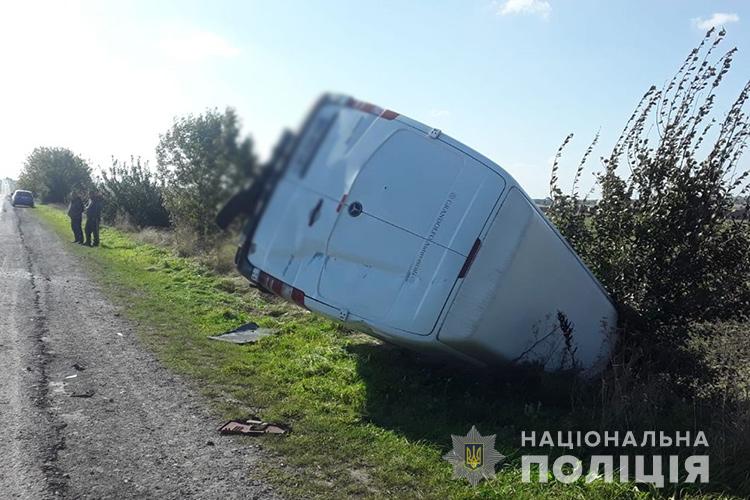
x=524, y=275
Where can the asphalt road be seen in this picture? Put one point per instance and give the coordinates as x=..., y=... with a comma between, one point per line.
x=124, y=427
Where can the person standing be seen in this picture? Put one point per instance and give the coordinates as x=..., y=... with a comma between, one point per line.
x=75, y=212
x=93, y=217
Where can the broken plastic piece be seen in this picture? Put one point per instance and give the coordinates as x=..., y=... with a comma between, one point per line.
x=251, y=428
x=245, y=334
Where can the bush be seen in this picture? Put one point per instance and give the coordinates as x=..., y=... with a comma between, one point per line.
x=661, y=239
x=203, y=162
x=52, y=173
x=664, y=240
x=133, y=192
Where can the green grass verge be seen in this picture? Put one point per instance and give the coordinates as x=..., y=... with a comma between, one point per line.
x=368, y=419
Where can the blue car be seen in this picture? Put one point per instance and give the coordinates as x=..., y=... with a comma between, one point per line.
x=21, y=197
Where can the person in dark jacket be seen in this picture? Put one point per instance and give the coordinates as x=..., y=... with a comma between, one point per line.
x=93, y=217
x=75, y=212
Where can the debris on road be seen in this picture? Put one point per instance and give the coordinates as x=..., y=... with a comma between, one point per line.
x=86, y=394
x=245, y=334
x=252, y=427
x=79, y=367
x=71, y=376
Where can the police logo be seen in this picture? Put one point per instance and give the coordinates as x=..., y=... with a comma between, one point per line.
x=473, y=456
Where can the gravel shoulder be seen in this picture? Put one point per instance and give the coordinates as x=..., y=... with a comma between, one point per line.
x=121, y=427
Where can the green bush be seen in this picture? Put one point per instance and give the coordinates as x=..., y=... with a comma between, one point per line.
x=132, y=191
x=723, y=353
x=661, y=239
x=203, y=161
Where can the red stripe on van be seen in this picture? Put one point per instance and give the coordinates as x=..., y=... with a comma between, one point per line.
x=363, y=106
x=470, y=258
x=298, y=297
x=388, y=114
x=341, y=203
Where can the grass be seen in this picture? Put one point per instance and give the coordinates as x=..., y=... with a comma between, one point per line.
x=368, y=419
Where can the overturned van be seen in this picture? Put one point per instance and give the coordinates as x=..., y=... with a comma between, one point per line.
x=400, y=231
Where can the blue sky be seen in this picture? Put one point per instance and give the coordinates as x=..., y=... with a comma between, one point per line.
x=508, y=78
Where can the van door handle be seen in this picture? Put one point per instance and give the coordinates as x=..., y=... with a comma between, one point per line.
x=315, y=213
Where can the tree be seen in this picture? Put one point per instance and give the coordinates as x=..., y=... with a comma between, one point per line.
x=132, y=190
x=53, y=172
x=662, y=238
x=203, y=161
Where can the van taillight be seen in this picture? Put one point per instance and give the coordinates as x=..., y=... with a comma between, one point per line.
x=281, y=289
x=470, y=258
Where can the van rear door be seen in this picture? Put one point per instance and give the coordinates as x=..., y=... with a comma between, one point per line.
x=384, y=274
x=428, y=188
x=411, y=217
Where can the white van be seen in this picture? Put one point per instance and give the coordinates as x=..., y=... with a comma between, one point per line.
x=400, y=231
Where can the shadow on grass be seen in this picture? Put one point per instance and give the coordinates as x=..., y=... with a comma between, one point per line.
x=428, y=399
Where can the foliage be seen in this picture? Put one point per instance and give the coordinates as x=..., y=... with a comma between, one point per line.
x=52, y=173
x=132, y=190
x=723, y=352
x=661, y=239
x=203, y=161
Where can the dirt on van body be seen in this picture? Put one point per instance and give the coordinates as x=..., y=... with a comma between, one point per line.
x=86, y=410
